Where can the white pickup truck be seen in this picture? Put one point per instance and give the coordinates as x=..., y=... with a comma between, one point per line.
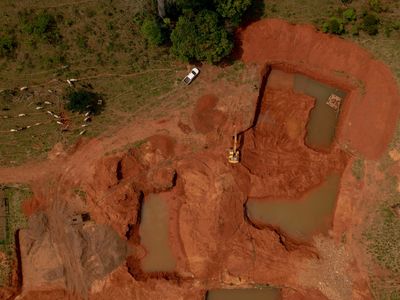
x=192, y=75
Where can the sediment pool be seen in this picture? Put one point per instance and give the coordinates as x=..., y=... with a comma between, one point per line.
x=154, y=236
x=299, y=218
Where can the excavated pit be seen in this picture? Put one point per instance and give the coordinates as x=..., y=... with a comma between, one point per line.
x=154, y=235
x=215, y=243
x=285, y=121
x=300, y=219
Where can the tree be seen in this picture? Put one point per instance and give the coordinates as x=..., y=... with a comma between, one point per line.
x=349, y=15
x=200, y=37
x=152, y=31
x=195, y=5
x=82, y=100
x=333, y=25
x=370, y=24
x=232, y=9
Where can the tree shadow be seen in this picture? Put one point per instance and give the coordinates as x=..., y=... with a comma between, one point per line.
x=255, y=12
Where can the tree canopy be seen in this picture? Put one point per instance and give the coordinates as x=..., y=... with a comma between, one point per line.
x=232, y=9
x=201, y=37
x=152, y=31
x=82, y=100
x=197, y=29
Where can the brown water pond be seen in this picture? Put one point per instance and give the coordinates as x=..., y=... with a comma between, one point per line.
x=154, y=236
x=299, y=218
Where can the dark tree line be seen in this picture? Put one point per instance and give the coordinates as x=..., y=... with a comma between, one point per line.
x=199, y=30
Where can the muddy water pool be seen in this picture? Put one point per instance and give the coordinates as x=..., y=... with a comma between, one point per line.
x=299, y=218
x=154, y=236
x=323, y=119
x=265, y=293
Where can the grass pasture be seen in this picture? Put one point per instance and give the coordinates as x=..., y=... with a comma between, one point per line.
x=98, y=42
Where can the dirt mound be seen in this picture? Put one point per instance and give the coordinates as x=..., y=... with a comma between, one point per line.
x=97, y=249
x=373, y=105
x=206, y=117
x=162, y=143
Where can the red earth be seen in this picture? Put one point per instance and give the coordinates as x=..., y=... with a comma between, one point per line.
x=185, y=162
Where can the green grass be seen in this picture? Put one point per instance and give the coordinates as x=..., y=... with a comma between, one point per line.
x=14, y=196
x=100, y=43
x=383, y=233
x=382, y=240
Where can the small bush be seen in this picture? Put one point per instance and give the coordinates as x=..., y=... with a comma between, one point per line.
x=375, y=5
x=333, y=25
x=370, y=24
x=355, y=30
x=55, y=60
x=349, y=15
x=43, y=26
x=82, y=42
x=153, y=31
x=82, y=100
x=358, y=168
x=8, y=44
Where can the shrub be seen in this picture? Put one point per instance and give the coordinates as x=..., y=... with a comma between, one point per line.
x=82, y=100
x=8, y=44
x=43, y=26
x=375, y=5
x=370, y=24
x=82, y=42
x=56, y=60
x=358, y=168
x=349, y=15
x=152, y=31
x=333, y=25
x=355, y=29
x=200, y=37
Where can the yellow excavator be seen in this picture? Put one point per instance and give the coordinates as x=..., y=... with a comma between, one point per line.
x=233, y=153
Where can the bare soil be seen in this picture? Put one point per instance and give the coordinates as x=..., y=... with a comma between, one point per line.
x=214, y=244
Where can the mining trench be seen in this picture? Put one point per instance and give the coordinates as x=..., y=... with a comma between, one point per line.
x=292, y=215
